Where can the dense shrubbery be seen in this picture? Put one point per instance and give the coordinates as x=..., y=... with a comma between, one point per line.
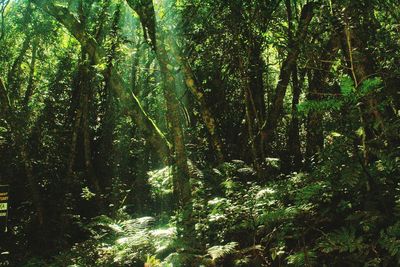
x=339, y=214
x=200, y=132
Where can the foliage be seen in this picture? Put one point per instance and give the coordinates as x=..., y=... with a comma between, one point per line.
x=218, y=252
x=200, y=133
x=349, y=96
x=121, y=242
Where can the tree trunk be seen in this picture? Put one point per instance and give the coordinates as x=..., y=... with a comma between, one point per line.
x=181, y=174
x=208, y=117
x=96, y=53
x=294, y=145
x=317, y=83
x=22, y=148
x=87, y=151
x=107, y=106
x=77, y=121
x=30, y=87
x=206, y=113
x=356, y=35
x=13, y=77
x=315, y=136
x=276, y=108
x=252, y=120
x=294, y=156
x=256, y=69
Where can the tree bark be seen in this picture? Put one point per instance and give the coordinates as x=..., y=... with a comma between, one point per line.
x=206, y=114
x=30, y=87
x=294, y=145
x=105, y=155
x=96, y=53
x=294, y=156
x=358, y=30
x=181, y=174
x=317, y=83
x=276, y=108
x=87, y=151
x=252, y=121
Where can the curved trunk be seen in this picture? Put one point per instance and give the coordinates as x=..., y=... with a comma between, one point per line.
x=96, y=53
x=275, y=111
x=181, y=174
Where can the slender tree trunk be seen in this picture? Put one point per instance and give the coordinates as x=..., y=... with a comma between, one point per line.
x=208, y=117
x=255, y=72
x=357, y=32
x=5, y=100
x=77, y=121
x=294, y=155
x=13, y=77
x=206, y=113
x=96, y=53
x=251, y=69
x=251, y=120
x=294, y=145
x=105, y=153
x=135, y=72
x=181, y=175
x=4, y=5
x=315, y=136
x=31, y=80
x=317, y=83
x=23, y=151
x=87, y=151
x=276, y=109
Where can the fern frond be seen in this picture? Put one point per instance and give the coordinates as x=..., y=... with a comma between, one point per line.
x=219, y=252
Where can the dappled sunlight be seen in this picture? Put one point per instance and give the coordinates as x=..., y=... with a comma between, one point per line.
x=181, y=133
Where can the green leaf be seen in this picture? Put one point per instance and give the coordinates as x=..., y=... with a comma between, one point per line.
x=346, y=86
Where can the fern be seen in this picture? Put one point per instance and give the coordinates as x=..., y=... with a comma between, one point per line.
x=349, y=96
x=123, y=242
x=320, y=105
x=342, y=240
x=161, y=181
x=220, y=252
x=370, y=86
x=302, y=259
x=390, y=240
x=152, y=261
x=346, y=86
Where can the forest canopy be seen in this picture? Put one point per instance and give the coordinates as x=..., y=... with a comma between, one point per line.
x=199, y=133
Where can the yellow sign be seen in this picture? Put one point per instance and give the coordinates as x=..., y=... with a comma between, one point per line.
x=3, y=206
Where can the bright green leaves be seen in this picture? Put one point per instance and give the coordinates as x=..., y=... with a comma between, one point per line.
x=372, y=85
x=302, y=258
x=219, y=252
x=346, y=86
x=87, y=194
x=349, y=96
x=331, y=104
x=161, y=181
